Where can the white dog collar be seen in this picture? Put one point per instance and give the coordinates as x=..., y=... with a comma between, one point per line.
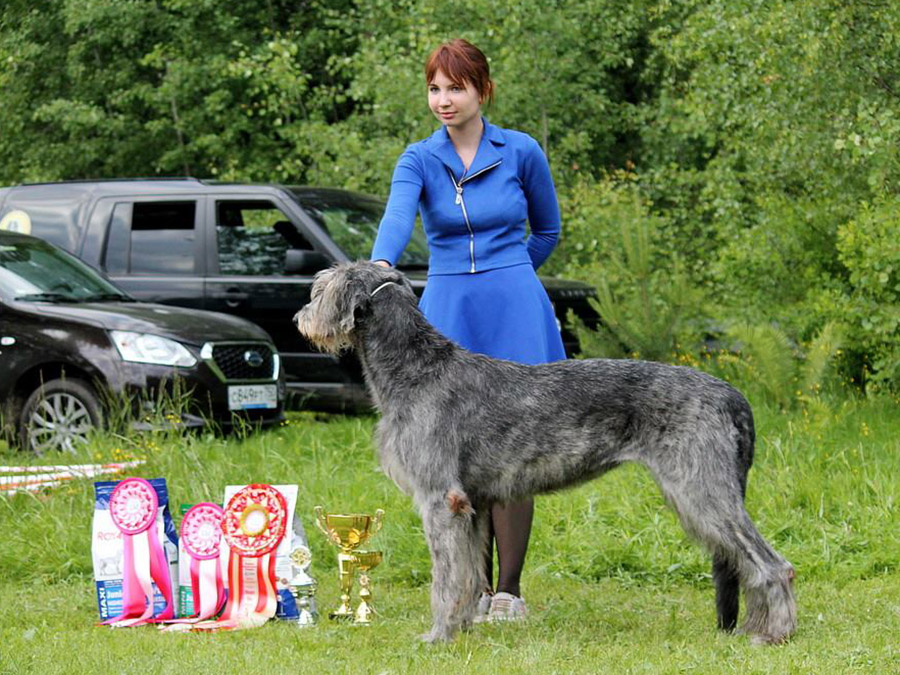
x=386, y=283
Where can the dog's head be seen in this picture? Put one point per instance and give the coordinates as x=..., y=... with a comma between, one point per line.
x=341, y=297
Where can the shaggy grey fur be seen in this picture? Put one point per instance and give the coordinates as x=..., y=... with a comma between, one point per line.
x=460, y=431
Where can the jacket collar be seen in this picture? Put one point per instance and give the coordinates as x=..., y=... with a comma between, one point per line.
x=441, y=146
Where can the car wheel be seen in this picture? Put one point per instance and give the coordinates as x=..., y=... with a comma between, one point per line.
x=58, y=416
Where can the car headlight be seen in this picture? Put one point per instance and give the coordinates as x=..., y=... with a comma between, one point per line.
x=147, y=348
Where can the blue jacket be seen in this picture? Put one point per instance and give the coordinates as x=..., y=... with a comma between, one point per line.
x=475, y=219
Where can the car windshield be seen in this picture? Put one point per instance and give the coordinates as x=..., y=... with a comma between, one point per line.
x=351, y=220
x=33, y=270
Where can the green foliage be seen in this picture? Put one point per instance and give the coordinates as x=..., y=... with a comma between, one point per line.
x=328, y=95
x=785, y=114
x=869, y=246
x=762, y=361
x=821, y=356
x=204, y=88
x=766, y=361
x=647, y=305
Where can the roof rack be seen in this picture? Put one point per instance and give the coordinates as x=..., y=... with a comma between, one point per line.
x=115, y=180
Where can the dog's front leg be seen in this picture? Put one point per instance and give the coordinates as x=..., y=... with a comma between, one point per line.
x=456, y=557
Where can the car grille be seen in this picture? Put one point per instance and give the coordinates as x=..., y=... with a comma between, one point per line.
x=244, y=361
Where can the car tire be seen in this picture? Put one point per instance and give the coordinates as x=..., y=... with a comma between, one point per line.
x=58, y=416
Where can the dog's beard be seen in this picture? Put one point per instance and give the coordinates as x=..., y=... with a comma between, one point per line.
x=319, y=333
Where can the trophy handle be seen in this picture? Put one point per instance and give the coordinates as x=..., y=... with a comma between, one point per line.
x=376, y=521
x=320, y=519
x=322, y=525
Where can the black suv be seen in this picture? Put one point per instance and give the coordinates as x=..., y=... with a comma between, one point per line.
x=69, y=339
x=249, y=250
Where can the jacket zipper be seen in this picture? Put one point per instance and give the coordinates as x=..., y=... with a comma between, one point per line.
x=461, y=202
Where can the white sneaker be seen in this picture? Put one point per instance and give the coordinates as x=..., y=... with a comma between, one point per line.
x=507, y=607
x=483, y=607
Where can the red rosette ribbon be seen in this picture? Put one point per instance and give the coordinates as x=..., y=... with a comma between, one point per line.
x=201, y=536
x=133, y=506
x=253, y=524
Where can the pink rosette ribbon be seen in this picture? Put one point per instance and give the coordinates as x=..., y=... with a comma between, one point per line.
x=133, y=506
x=253, y=524
x=201, y=535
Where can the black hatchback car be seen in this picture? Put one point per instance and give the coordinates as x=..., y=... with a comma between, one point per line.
x=71, y=342
x=246, y=249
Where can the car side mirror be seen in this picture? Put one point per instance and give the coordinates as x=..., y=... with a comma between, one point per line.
x=304, y=262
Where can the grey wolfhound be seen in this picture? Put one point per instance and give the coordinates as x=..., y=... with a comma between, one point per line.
x=460, y=431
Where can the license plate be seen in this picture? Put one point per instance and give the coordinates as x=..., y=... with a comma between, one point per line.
x=252, y=396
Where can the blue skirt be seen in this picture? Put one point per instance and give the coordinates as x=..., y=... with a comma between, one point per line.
x=504, y=313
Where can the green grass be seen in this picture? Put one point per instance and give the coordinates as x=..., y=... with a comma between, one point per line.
x=612, y=583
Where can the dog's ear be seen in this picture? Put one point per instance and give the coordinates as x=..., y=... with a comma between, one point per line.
x=357, y=303
x=346, y=293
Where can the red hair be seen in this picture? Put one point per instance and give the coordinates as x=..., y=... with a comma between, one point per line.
x=462, y=62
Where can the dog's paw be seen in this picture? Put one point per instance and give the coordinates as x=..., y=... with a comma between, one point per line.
x=760, y=638
x=769, y=640
x=435, y=636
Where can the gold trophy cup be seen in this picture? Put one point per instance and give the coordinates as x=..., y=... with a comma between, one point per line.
x=365, y=560
x=348, y=532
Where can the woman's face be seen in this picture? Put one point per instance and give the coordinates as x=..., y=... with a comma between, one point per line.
x=453, y=104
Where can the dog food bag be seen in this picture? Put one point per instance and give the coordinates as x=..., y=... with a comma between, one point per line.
x=185, y=590
x=295, y=535
x=107, y=548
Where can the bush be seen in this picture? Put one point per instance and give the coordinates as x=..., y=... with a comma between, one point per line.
x=648, y=305
x=869, y=246
x=766, y=364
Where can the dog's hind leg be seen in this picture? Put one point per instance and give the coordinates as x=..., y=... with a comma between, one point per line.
x=711, y=509
x=766, y=577
x=727, y=582
x=768, y=581
x=456, y=540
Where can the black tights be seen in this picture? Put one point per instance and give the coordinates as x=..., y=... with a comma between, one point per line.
x=510, y=528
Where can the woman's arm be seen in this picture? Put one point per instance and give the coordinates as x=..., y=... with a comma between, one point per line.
x=399, y=217
x=543, y=208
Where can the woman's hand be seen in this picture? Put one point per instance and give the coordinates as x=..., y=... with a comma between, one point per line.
x=382, y=263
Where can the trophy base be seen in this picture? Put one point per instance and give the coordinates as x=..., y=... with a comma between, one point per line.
x=363, y=619
x=340, y=615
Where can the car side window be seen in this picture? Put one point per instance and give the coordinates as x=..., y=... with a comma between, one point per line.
x=253, y=237
x=151, y=238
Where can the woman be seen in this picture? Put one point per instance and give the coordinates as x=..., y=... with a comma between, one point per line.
x=475, y=186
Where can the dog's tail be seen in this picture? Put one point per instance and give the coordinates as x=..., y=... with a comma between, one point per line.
x=742, y=417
